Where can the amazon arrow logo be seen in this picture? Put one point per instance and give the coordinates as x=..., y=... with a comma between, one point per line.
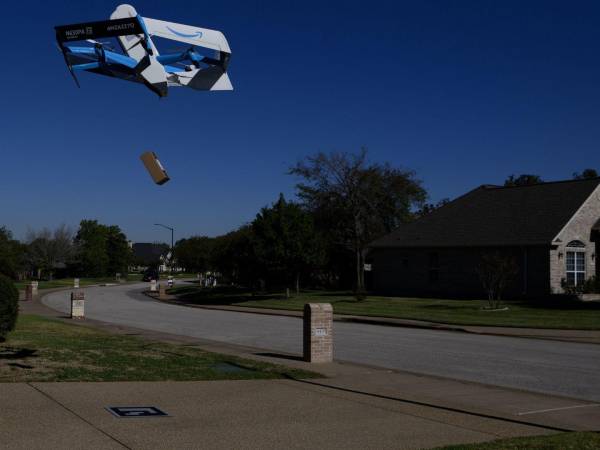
x=198, y=34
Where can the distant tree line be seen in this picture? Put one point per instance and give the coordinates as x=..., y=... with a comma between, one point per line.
x=529, y=179
x=345, y=202
x=95, y=250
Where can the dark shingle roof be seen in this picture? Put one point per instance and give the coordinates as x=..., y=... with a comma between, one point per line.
x=496, y=216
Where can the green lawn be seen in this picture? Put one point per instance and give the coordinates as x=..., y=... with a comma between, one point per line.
x=68, y=282
x=558, y=314
x=563, y=441
x=43, y=349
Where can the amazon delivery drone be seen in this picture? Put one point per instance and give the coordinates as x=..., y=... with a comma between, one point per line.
x=201, y=66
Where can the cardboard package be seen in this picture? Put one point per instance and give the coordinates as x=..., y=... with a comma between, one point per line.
x=154, y=167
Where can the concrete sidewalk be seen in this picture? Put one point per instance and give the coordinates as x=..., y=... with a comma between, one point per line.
x=583, y=336
x=229, y=414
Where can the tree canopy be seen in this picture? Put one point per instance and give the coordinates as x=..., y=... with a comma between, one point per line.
x=194, y=254
x=286, y=241
x=585, y=174
x=12, y=254
x=354, y=200
x=523, y=180
x=101, y=250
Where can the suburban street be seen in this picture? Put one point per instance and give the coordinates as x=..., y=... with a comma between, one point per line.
x=559, y=368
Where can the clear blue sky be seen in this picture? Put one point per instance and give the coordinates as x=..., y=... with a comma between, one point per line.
x=465, y=93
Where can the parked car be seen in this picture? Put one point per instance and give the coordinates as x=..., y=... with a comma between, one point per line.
x=150, y=274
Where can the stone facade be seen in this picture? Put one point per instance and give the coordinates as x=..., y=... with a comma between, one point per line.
x=579, y=228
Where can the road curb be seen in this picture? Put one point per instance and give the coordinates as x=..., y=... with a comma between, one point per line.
x=383, y=321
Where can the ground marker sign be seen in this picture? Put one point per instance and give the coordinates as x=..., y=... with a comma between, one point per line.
x=136, y=411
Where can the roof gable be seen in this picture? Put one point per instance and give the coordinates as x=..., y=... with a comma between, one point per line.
x=496, y=216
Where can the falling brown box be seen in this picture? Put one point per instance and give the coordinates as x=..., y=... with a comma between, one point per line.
x=154, y=167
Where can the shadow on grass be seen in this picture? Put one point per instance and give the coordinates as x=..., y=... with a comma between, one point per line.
x=20, y=366
x=476, y=304
x=561, y=302
x=17, y=353
x=280, y=356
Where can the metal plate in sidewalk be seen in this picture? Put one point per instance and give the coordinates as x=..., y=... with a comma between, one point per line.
x=136, y=411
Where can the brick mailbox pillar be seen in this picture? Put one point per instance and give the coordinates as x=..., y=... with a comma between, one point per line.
x=162, y=291
x=318, y=332
x=28, y=293
x=77, y=305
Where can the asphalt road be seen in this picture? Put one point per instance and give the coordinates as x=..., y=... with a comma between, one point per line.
x=559, y=368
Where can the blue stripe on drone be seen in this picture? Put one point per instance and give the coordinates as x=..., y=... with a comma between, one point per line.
x=87, y=66
x=177, y=33
x=113, y=57
x=173, y=69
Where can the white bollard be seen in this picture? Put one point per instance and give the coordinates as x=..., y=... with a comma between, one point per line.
x=76, y=283
x=153, y=286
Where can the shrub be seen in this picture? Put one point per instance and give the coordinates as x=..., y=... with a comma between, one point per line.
x=590, y=286
x=9, y=306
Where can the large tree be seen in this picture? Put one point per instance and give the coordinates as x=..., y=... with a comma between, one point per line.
x=194, y=253
x=118, y=251
x=90, y=243
x=355, y=200
x=46, y=249
x=286, y=241
x=12, y=254
x=101, y=249
x=233, y=255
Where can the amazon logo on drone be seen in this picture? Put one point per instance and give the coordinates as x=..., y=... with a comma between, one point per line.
x=198, y=34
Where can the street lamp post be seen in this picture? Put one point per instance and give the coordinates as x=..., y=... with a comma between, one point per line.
x=172, y=249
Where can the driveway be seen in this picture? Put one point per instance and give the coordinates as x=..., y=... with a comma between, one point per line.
x=558, y=368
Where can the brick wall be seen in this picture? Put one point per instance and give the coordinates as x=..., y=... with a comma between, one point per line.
x=318, y=332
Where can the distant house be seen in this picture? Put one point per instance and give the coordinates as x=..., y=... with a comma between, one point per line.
x=551, y=230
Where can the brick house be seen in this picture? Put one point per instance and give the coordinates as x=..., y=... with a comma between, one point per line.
x=552, y=230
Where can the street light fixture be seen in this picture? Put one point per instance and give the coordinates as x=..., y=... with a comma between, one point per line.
x=172, y=249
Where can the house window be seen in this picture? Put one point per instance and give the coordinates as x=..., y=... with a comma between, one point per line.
x=434, y=267
x=575, y=262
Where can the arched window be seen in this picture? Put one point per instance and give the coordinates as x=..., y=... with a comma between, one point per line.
x=575, y=263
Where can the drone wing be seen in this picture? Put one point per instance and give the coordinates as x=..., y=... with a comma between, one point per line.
x=210, y=74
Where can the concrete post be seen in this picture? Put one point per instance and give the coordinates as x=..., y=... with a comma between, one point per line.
x=77, y=305
x=76, y=283
x=153, y=286
x=34, y=288
x=28, y=293
x=318, y=332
